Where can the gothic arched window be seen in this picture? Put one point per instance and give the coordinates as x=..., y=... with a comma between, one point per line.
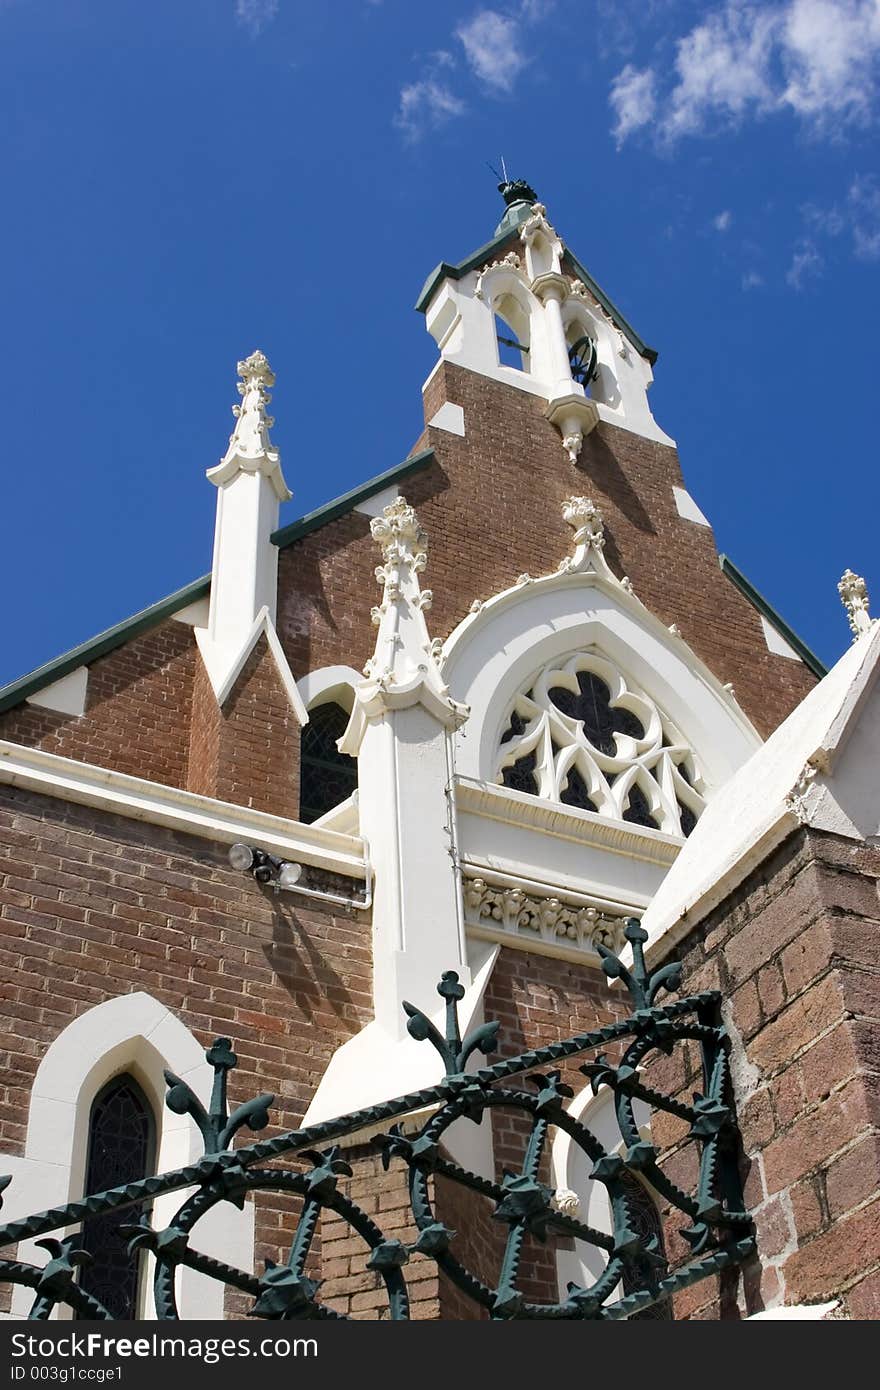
x=644, y=1219
x=582, y=734
x=121, y=1148
x=326, y=776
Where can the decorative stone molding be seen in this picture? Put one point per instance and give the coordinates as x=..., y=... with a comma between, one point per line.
x=854, y=596
x=404, y=668
x=637, y=753
x=542, y=244
x=509, y=262
x=250, y=448
x=526, y=918
x=572, y=444
x=584, y=516
x=579, y=290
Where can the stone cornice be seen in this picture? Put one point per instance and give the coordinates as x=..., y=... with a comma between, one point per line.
x=117, y=793
x=493, y=802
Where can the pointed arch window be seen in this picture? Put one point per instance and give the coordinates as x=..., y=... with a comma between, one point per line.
x=327, y=776
x=644, y=1219
x=583, y=735
x=121, y=1148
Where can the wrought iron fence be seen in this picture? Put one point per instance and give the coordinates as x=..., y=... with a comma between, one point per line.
x=718, y=1230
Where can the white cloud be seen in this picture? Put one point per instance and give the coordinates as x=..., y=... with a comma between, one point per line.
x=829, y=51
x=722, y=221
x=492, y=45
x=254, y=15
x=425, y=105
x=864, y=208
x=806, y=264
x=752, y=280
x=633, y=101
x=816, y=58
x=721, y=68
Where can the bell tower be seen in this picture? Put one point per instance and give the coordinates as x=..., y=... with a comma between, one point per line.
x=523, y=310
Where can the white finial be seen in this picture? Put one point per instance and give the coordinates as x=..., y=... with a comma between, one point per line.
x=589, y=533
x=405, y=667
x=250, y=448
x=854, y=596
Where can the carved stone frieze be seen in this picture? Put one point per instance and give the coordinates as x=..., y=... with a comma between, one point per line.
x=528, y=918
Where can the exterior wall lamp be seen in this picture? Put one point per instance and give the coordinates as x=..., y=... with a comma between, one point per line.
x=265, y=867
x=269, y=870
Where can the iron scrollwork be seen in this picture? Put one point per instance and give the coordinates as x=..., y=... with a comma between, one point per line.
x=523, y=1203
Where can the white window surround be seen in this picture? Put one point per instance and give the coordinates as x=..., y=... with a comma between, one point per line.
x=571, y=1167
x=503, y=643
x=132, y=1033
x=328, y=683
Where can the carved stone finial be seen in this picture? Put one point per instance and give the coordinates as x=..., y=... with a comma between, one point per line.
x=253, y=422
x=405, y=666
x=589, y=530
x=401, y=537
x=250, y=448
x=854, y=596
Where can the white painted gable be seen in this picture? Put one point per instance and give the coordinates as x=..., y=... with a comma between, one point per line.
x=819, y=768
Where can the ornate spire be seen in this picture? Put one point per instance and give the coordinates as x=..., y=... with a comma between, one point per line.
x=404, y=668
x=250, y=448
x=854, y=596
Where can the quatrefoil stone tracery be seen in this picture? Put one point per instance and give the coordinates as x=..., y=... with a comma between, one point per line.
x=581, y=734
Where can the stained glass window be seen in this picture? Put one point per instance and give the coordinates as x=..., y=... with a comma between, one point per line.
x=644, y=1219
x=121, y=1148
x=326, y=775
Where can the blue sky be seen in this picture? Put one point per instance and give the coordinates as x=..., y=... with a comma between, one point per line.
x=186, y=180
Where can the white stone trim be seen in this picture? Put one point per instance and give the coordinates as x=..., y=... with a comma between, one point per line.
x=449, y=417
x=376, y=504
x=137, y=1034
x=194, y=614
x=818, y=769
x=329, y=683
x=224, y=663
x=555, y=818
x=67, y=695
x=570, y=1170
x=510, y=637
x=117, y=793
x=796, y=1312
x=687, y=507
x=776, y=643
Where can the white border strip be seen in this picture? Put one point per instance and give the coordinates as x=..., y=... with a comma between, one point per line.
x=37, y=771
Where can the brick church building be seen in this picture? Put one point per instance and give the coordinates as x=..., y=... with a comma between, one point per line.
x=471, y=716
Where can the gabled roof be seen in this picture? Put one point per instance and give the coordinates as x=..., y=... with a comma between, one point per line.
x=457, y=272
x=17, y=691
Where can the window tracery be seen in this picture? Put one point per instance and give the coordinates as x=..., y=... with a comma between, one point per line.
x=584, y=736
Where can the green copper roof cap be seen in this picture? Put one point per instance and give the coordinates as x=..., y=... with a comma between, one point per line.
x=519, y=197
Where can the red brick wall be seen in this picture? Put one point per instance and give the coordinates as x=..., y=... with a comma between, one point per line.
x=796, y=952
x=137, y=717
x=94, y=906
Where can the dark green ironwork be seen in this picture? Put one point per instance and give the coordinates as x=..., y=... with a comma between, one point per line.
x=583, y=359
x=718, y=1230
